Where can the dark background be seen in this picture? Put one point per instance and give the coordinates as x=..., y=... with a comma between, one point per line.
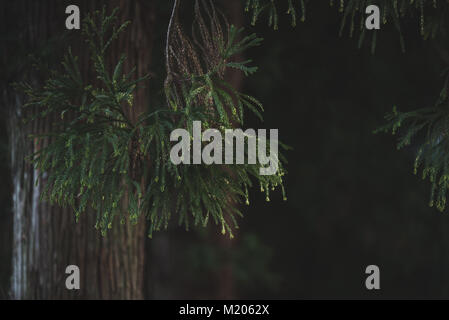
x=352, y=197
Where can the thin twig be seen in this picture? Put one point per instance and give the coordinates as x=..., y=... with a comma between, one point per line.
x=167, y=46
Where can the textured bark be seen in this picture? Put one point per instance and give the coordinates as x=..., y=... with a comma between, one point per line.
x=46, y=238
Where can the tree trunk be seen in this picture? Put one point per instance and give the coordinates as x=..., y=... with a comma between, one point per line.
x=46, y=238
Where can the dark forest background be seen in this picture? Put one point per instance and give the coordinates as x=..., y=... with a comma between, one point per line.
x=352, y=198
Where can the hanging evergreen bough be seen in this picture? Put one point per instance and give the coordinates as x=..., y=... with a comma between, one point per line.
x=431, y=15
x=196, y=68
x=98, y=159
x=257, y=7
x=430, y=125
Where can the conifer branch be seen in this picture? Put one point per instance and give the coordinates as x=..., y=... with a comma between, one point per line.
x=95, y=156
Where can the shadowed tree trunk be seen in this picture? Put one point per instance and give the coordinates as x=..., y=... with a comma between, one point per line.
x=46, y=238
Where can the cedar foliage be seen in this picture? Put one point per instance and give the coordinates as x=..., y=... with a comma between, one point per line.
x=99, y=160
x=428, y=125
x=431, y=15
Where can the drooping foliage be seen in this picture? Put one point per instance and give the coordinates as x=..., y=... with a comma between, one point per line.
x=430, y=15
x=428, y=125
x=258, y=7
x=98, y=160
